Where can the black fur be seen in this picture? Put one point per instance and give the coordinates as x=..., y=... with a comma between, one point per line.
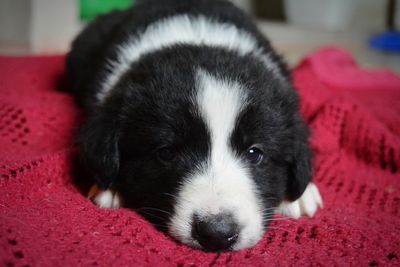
x=149, y=110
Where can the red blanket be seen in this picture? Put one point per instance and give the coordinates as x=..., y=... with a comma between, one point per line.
x=46, y=221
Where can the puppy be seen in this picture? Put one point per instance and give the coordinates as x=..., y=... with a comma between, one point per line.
x=192, y=121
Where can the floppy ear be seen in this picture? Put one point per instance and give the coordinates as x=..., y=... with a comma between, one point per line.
x=300, y=169
x=98, y=142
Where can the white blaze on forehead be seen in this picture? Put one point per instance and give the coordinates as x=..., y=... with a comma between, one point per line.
x=224, y=183
x=182, y=29
x=220, y=102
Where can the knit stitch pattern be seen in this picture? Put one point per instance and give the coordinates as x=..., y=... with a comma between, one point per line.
x=45, y=220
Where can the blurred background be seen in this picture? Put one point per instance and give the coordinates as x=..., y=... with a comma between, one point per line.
x=367, y=28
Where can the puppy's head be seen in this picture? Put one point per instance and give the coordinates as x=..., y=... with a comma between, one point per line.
x=205, y=153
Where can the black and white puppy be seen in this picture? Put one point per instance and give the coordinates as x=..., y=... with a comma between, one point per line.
x=192, y=121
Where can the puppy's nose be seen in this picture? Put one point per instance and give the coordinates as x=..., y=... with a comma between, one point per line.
x=215, y=233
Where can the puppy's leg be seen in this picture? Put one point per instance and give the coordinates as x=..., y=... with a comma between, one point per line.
x=307, y=204
x=107, y=199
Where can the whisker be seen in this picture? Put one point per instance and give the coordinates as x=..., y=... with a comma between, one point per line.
x=268, y=214
x=153, y=215
x=270, y=198
x=155, y=209
x=268, y=209
x=280, y=228
x=176, y=197
x=281, y=218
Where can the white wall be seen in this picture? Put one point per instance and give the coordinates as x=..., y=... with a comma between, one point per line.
x=14, y=21
x=37, y=26
x=54, y=23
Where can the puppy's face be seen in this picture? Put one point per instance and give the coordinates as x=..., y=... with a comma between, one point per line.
x=207, y=157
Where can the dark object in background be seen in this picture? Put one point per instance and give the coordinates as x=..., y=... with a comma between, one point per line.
x=391, y=11
x=271, y=10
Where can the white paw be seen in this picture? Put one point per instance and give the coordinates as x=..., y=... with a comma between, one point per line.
x=307, y=204
x=107, y=199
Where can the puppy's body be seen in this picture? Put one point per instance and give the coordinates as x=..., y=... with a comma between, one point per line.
x=192, y=120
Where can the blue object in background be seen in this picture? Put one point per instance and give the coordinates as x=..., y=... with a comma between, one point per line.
x=386, y=42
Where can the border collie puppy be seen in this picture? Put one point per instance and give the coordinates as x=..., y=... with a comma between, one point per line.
x=192, y=121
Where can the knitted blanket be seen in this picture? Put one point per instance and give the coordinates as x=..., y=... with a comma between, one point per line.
x=45, y=220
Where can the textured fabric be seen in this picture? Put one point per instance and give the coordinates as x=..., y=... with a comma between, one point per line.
x=46, y=221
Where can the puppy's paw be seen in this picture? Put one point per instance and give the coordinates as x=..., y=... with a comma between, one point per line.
x=107, y=199
x=307, y=204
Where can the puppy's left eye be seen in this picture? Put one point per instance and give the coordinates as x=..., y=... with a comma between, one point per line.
x=254, y=155
x=166, y=154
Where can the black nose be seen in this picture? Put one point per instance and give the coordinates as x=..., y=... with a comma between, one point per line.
x=215, y=233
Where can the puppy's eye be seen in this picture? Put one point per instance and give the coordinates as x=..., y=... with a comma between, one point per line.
x=254, y=155
x=166, y=154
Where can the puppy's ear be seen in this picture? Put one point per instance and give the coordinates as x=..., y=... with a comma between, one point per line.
x=300, y=169
x=98, y=141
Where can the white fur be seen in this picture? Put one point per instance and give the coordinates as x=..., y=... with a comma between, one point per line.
x=182, y=29
x=307, y=204
x=106, y=199
x=222, y=183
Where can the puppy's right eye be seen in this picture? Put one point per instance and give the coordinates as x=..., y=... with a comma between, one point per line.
x=166, y=154
x=254, y=155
